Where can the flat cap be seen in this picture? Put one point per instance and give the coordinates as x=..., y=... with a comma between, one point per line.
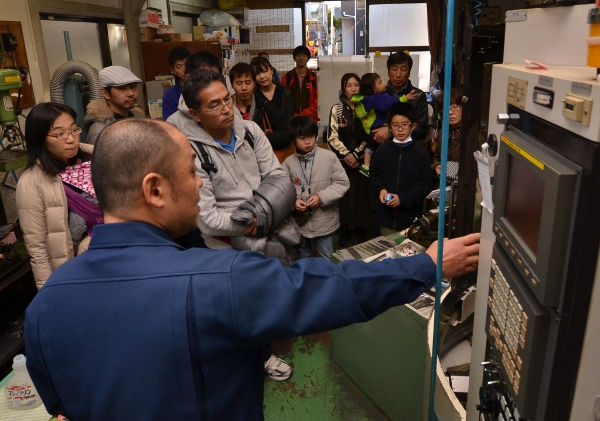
x=116, y=76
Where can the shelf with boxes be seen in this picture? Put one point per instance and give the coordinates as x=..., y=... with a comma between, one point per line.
x=153, y=28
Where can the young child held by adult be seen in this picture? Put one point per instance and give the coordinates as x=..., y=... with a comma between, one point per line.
x=372, y=106
x=401, y=174
x=320, y=181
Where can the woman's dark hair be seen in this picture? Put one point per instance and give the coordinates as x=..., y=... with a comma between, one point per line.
x=37, y=126
x=302, y=126
x=367, y=83
x=345, y=80
x=261, y=64
x=456, y=97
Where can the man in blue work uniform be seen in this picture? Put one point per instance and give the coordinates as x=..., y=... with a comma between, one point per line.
x=138, y=328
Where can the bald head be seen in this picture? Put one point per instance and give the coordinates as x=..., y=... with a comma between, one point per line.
x=124, y=154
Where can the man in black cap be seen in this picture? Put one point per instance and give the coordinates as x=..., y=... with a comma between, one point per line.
x=119, y=88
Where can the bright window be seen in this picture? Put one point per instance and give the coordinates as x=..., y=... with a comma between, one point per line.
x=393, y=25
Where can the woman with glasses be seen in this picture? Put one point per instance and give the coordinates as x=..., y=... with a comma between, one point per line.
x=273, y=120
x=55, y=197
x=455, y=118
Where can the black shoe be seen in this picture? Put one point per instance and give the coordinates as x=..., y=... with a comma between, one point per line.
x=361, y=234
x=344, y=236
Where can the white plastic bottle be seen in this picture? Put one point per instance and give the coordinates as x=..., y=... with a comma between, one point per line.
x=20, y=391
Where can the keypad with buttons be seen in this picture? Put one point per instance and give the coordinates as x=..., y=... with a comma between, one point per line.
x=517, y=326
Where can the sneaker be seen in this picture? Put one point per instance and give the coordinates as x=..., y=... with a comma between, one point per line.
x=277, y=369
x=364, y=170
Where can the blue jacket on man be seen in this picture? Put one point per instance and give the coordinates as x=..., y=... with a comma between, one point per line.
x=171, y=99
x=137, y=328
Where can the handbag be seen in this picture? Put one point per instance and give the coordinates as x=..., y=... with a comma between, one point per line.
x=302, y=216
x=267, y=129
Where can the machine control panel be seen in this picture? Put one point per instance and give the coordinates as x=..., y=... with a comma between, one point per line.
x=495, y=403
x=577, y=108
x=564, y=96
x=521, y=266
x=517, y=329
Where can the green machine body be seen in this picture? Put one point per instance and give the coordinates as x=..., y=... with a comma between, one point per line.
x=9, y=79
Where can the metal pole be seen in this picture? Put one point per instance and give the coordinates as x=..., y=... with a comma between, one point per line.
x=442, y=216
x=68, y=45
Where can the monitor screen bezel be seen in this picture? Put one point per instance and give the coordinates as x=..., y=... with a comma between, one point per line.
x=560, y=178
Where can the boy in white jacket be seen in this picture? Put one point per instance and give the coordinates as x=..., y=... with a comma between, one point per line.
x=320, y=181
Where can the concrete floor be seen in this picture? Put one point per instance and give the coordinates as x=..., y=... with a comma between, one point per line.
x=318, y=389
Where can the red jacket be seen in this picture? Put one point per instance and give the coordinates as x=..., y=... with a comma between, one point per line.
x=306, y=100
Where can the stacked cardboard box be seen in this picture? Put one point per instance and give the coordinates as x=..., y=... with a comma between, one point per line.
x=148, y=19
x=166, y=29
x=172, y=37
x=147, y=34
x=198, y=31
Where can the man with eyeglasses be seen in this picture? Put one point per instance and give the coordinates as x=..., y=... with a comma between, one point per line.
x=239, y=151
x=119, y=88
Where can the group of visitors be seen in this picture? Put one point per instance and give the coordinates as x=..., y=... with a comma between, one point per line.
x=137, y=316
x=378, y=130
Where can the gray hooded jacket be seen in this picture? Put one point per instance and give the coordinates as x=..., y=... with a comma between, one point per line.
x=327, y=179
x=238, y=173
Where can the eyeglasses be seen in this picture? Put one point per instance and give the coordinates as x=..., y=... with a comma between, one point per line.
x=402, y=126
x=221, y=107
x=455, y=107
x=62, y=136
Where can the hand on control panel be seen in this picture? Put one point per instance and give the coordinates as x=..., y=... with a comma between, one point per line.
x=461, y=255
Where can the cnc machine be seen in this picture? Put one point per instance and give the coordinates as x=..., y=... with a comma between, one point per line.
x=537, y=323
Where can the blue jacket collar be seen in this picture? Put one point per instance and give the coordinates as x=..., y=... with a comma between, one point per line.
x=405, y=145
x=127, y=234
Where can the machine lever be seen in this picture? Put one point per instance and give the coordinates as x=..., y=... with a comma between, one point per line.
x=507, y=118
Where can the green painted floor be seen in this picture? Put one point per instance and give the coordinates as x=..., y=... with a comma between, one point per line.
x=318, y=389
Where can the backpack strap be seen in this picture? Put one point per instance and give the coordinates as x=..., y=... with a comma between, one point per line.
x=249, y=138
x=205, y=160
